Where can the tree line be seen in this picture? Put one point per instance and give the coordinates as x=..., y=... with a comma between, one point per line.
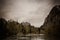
x=10, y=27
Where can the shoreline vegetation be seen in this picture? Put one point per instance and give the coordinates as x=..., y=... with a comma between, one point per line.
x=10, y=27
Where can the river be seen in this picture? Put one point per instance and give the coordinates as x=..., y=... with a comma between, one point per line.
x=27, y=37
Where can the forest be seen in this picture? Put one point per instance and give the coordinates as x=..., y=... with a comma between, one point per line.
x=10, y=27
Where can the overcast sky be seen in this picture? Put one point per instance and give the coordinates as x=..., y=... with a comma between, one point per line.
x=32, y=11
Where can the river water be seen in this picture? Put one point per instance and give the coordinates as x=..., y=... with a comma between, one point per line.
x=32, y=37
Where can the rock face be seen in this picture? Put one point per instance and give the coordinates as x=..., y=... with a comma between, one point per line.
x=51, y=26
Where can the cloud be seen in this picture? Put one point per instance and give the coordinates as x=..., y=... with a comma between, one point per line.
x=33, y=11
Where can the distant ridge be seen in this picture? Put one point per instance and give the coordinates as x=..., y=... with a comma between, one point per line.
x=51, y=26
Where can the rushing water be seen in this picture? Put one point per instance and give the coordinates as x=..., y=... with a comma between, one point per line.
x=32, y=37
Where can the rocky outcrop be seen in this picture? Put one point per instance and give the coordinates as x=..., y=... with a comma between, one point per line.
x=51, y=26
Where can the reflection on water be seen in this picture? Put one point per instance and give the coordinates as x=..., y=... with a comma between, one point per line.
x=37, y=38
x=32, y=37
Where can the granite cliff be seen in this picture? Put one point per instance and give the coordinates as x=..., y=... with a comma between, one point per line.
x=51, y=26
